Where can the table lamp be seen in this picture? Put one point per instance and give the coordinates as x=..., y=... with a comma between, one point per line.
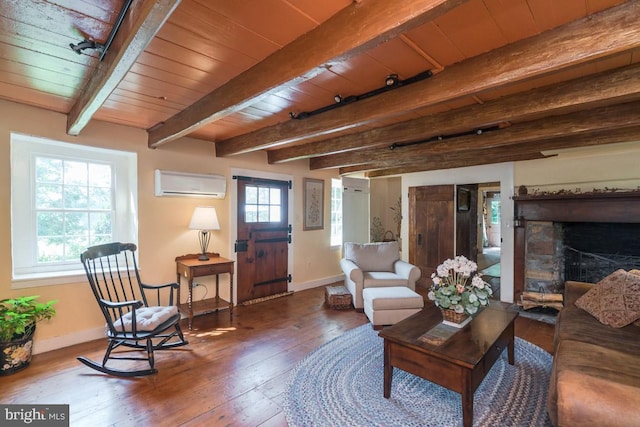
x=205, y=219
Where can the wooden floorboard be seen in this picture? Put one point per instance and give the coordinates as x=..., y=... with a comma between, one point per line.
x=231, y=373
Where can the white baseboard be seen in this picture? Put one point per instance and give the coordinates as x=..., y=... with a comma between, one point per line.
x=42, y=346
x=315, y=283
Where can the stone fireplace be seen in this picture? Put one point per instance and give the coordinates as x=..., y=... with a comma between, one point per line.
x=580, y=237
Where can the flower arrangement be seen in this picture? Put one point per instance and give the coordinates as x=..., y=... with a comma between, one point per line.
x=456, y=287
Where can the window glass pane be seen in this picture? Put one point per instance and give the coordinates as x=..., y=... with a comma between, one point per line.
x=251, y=195
x=275, y=196
x=99, y=175
x=99, y=198
x=100, y=223
x=274, y=215
x=100, y=239
x=76, y=224
x=250, y=213
x=48, y=170
x=75, y=173
x=263, y=213
x=50, y=224
x=495, y=211
x=263, y=195
x=75, y=197
x=50, y=249
x=48, y=196
x=336, y=212
x=74, y=246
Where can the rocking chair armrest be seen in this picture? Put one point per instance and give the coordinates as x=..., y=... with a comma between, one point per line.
x=135, y=304
x=167, y=289
x=173, y=285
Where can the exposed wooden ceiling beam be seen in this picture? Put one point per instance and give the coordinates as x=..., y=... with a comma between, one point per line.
x=605, y=33
x=334, y=40
x=608, y=117
x=457, y=162
x=140, y=25
x=606, y=88
x=522, y=151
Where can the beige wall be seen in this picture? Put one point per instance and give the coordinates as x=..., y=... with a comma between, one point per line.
x=163, y=221
x=386, y=192
x=586, y=169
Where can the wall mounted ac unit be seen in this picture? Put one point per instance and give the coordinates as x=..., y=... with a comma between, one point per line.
x=184, y=184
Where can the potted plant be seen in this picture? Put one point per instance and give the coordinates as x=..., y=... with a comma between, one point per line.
x=18, y=318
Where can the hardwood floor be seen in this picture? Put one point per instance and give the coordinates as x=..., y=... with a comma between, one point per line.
x=231, y=373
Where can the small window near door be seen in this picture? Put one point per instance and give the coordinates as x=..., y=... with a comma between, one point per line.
x=263, y=204
x=495, y=211
x=336, y=212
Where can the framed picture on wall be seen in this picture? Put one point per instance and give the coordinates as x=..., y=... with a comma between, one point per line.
x=313, y=204
x=464, y=199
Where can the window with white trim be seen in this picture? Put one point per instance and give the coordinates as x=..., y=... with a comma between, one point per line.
x=65, y=198
x=336, y=212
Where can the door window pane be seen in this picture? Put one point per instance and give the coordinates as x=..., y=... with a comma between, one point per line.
x=263, y=203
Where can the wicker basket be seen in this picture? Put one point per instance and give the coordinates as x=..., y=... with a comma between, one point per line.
x=338, y=297
x=452, y=316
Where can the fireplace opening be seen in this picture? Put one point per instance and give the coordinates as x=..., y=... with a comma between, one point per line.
x=592, y=251
x=580, y=251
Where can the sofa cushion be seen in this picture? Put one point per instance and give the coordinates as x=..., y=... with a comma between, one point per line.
x=594, y=385
x=576, y=324
x=380, y=279
x=615, y=300
x=373, y=256
x=637, y=273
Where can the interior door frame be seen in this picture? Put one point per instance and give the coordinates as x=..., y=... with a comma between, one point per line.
x=502, y=173
x=233, y=216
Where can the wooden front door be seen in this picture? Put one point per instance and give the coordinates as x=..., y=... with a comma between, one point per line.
x=431, y=231
x=264, y=234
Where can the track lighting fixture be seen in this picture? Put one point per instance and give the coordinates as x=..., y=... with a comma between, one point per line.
x=86, y=44
x=478, y=132
x=392, y=80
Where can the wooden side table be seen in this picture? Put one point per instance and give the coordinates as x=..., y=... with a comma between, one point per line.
x=189, y=267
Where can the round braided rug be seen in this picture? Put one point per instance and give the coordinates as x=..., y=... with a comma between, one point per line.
x=340, y=384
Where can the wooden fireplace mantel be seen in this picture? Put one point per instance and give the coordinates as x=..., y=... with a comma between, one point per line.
x=589, y=207
x=604, y=207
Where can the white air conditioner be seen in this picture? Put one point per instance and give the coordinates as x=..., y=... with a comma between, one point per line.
x=184, y=184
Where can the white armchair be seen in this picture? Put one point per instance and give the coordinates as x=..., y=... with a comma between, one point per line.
x=369, y=265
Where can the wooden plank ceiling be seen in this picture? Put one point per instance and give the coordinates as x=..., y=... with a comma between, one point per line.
x=495, y=80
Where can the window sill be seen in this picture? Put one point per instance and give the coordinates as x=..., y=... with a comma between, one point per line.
x=23, y=281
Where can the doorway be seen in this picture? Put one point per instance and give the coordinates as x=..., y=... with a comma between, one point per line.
x=263, y=238
x=448, y=220
x=491, y=238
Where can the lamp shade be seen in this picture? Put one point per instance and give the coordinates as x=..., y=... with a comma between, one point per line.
x=204, y=218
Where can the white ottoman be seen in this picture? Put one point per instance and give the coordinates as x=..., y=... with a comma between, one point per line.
x=389, y=305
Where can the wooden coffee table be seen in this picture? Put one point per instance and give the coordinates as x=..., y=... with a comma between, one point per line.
x=460, y=363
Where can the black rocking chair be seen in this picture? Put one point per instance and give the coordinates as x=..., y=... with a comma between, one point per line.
x=113, y=274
